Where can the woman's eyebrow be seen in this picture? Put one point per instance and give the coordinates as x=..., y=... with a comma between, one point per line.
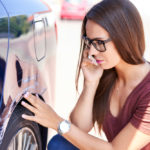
x=96, y=38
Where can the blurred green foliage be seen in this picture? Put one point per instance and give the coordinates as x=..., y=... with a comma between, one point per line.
x=18, y=25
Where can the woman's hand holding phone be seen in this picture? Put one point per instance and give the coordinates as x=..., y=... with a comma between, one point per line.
x=92, y=71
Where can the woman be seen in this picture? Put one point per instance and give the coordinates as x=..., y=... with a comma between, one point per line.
x=116, y=91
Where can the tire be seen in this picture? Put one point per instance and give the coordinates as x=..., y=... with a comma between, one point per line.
x=21, y=134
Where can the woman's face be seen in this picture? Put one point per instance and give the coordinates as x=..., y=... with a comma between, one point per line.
x=108, y=59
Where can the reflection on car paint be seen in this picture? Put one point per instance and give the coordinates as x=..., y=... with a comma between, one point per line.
x=29, y=78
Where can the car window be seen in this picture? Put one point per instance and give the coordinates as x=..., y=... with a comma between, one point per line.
x=26, y=7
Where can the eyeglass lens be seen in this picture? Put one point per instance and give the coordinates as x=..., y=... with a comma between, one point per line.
x=98, y=45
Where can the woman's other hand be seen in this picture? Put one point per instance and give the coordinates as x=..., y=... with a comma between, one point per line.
x=43, y=113
x=92, y=72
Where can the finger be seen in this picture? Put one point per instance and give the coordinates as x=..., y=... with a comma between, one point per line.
x=32, y=99
x=85, y=53
x=29, y=107
x=31, y=118
x=87, y=62
x=92, y=60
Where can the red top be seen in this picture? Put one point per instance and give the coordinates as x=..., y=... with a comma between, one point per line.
x=136, y=110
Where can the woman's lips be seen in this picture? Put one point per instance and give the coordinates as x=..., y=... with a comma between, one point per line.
x=99, y=61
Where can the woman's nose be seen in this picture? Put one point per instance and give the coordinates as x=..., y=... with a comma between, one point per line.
x=92, y=50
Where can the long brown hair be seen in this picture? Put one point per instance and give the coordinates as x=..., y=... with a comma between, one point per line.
x=122, y=21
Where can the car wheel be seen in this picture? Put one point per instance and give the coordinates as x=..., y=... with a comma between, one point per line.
x=21, y=134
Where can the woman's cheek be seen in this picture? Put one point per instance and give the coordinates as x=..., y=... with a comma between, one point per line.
x=110, y=62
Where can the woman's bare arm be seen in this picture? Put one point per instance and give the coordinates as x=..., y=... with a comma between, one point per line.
x=128, y=139
x=81, y=115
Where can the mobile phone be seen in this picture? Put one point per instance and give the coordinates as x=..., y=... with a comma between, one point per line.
x=92, y=59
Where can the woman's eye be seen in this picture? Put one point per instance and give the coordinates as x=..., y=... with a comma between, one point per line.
x=87, y=46
x=99, y=42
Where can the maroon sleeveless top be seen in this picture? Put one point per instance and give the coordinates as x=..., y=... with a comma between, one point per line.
x=136, y=110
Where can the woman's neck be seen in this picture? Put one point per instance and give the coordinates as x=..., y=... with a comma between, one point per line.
x=128, y=73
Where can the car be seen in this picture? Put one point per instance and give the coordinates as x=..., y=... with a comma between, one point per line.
x=73, y=9
x=28, y=47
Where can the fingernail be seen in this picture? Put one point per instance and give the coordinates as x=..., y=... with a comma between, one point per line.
x=37, y=95
x=23, y=116
x=89, y=57
x=26, y=94
x=22, y=102
x=95, y=63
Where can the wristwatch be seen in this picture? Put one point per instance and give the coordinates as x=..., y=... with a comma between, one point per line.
x=63, y=127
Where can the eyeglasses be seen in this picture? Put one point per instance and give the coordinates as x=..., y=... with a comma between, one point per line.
x=99, y=45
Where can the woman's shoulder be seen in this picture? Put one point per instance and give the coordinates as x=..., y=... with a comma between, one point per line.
x=143, y=89
x=146, y=83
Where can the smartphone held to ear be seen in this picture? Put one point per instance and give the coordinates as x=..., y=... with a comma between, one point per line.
x=92, y=59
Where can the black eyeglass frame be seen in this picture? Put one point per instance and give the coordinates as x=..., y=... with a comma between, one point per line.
x=99, y=42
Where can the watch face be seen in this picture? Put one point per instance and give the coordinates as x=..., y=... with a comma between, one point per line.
x=64, y=126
